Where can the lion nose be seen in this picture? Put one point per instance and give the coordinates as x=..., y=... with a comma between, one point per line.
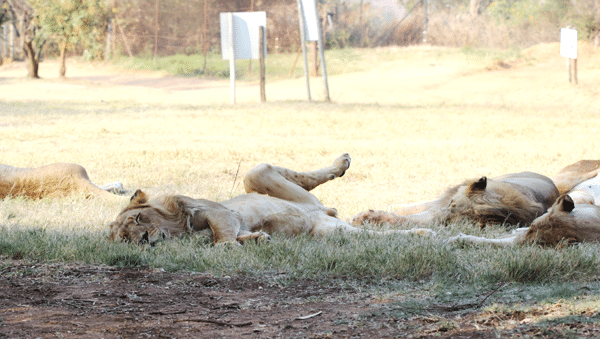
x=144, y=239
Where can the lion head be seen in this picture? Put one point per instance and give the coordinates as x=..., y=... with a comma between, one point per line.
x=557, y=226
x=145, y=222
x=488, y=202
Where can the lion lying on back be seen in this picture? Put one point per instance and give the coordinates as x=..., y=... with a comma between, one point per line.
x=277, y=201
x=50, y=181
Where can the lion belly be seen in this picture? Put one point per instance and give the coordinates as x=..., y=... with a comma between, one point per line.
x=262, y=212
x=589, y=188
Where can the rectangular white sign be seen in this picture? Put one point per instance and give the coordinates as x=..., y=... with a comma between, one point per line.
x=311, y=20
x=245, y=34
x=568, y=43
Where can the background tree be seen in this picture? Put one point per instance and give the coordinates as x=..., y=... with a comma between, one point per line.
x=70, y=22
x=27, y=29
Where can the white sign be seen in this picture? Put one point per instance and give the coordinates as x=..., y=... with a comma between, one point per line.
x=568, y=43
x=245, y=34
x=310, y=14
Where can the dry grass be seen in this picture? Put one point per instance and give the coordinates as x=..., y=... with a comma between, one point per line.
x=432, y=117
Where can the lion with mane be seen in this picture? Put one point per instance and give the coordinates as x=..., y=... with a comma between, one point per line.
x=509, y=199
x=61, y=179
x=278, y=200
x=573, y=218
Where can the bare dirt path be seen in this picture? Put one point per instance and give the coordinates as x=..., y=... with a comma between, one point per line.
x=538, y=77
x=84, y=301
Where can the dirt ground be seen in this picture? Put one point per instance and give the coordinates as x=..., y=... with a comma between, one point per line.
x=83, y=301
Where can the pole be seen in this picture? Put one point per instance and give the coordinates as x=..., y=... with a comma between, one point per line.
x=315, y=50
x=569, y=62
x=109, y=33
x=250, y=60
x=303, y=44
x=231, y=58
x=261, y=47
x=321, y=50
x=575, y=70
x=156, y=30
x=204, y=29
x=425, y=23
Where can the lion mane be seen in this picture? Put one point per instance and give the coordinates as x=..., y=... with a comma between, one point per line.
x=510, y=199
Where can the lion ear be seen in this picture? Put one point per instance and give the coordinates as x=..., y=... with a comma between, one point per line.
x=479, y=185
x=138, y=198
x=567, y=204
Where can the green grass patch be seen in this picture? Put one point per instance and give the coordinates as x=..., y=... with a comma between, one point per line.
x=291, y=65
x=362, y=257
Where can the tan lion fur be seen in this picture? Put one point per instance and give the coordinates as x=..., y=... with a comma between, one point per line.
x=512, y=199
x=53, y=180
x=580, y=181
x=278, y=201
x=563, y=224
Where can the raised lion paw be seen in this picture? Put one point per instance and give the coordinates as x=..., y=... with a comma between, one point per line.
x=340, y=165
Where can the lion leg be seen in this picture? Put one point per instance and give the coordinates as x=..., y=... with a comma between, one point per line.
x=290, y=185
x=378, y=217
x=257, y=236
x=327, y=225
x=514, y=239
x=114, y=187
x=225, y=225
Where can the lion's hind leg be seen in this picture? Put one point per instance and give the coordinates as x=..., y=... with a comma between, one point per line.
x=290, y=185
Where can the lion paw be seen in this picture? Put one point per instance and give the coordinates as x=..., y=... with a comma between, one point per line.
x=259, y=236
x=374, y=217
x=455, y=239
x=114, y=187
x=424, y=232
x=228, y=244
x=340, y=165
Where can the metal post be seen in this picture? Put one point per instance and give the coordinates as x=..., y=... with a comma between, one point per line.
x=322, y=53
x=575, y=71
x=425, y=23
x=156, y=30
x=261, y=47
x=231, y=58
x=303, y=44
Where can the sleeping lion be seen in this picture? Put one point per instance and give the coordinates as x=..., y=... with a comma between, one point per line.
x=52, y=180
x=573, y=218
x=512, y=199
x=278, y=200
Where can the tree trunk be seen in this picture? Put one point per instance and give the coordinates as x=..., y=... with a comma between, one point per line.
x=63, y=57
x=475, y=7
x=34, y=65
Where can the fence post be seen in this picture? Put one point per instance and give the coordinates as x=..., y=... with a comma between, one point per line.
x=425, y=23
x=231, y=57
x=303, y=45
x=261, y=47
